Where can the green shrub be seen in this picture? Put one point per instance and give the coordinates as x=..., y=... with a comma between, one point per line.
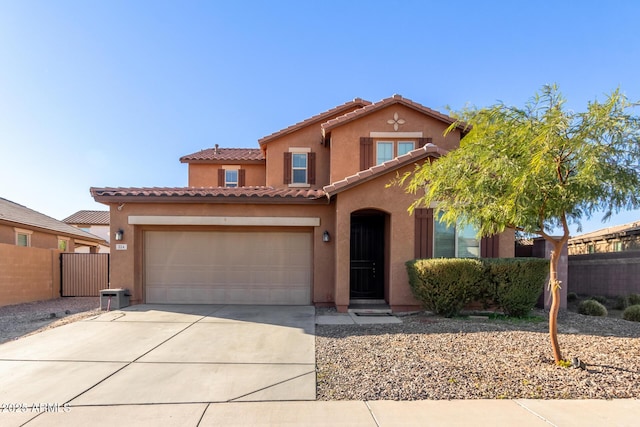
x=632, y=313
x=634, y=299
x=621, y=302
x=591, y=307
x=445, y=286
x=572, y=296
x=516, y=282
x=602, y=300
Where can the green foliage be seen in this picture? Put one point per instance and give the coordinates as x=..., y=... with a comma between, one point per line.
x=632, y=313
x=444, y=286
x=537, y=167
x=621, y=302
x=572, y=296
x=517, y=282
x=601, y=299
x=634, y=299
x=592, y=307
x=564, y=363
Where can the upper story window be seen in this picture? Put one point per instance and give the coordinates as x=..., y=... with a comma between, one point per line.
x=23, y=237
x=455, y=241
x=299, y=167
x=231, y=178
x=388, y=150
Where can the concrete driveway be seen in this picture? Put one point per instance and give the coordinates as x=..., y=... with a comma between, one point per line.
x=151, y=355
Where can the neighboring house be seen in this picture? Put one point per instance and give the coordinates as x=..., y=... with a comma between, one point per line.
x=306, y=218
x=618, y=238
x=94, y=222
x=22, y=226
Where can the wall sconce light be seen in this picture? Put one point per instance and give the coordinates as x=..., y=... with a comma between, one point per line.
x=326, y=237
x=119, y=234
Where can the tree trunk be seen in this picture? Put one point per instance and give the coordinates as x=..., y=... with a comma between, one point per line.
x=554, y=286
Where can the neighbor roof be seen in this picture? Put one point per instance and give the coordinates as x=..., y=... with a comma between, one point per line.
x=88, y=218
x=23, y=216
x=347, y=106
x=631, y=228
x=395, y=99
x=214, y=155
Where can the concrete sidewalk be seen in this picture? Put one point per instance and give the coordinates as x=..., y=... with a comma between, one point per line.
x=522, y=413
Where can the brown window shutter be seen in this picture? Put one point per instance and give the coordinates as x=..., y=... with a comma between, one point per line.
x=311, y=172
x=221, y=177
x=241, y=177
x=423, y=233
x=490, y=247
x=366, y=152
x=287, y=168
x=424, y=141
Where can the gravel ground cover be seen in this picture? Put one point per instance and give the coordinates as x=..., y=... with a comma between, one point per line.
x=429, y=357
x=25, y=319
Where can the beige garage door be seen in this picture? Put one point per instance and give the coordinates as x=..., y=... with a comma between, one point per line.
x=218, y=267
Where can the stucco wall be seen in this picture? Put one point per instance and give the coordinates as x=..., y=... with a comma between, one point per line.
x=28, y=274
x=345, y=140
x=206, y=174
x=127, y=265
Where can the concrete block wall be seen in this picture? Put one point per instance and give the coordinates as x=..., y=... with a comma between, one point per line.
x=28, y=274
x=607, y=274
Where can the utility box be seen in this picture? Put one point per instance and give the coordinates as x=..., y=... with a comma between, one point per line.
x=111, y=299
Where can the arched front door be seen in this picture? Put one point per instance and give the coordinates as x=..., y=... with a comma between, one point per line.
x=367, y=255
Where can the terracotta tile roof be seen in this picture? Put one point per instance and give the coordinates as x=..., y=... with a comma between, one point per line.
x=88, y=217
x=347, y=106
x=395, y=99
x=632, y=228
x=429, y=150
x=23, y=217
x=224, y=154
x=200, y=194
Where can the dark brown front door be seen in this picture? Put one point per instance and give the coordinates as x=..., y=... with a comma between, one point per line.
x=367, y=257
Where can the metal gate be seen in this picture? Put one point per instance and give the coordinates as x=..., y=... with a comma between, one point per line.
x=83, y=275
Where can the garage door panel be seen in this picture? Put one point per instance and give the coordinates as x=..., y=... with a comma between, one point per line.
x=228, y=267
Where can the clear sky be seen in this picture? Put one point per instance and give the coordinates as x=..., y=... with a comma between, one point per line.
x=112, y=93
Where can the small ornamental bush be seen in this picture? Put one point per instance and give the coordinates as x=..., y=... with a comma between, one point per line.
x=602, y=300
x=517, y=282
x=634, y=299
x=572, y=296
x=445, y=286
x=591, y=307
x=632, y=313
x=621, y=302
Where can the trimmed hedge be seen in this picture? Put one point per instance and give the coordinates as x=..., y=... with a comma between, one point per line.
x=445, y=286
x=518, y=282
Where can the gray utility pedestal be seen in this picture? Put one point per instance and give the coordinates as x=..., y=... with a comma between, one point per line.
x=114, y=299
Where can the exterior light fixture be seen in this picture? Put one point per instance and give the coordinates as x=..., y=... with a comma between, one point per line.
x=119, y=234
x=326, y=237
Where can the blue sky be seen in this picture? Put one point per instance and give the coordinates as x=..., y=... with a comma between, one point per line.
x=112, y=93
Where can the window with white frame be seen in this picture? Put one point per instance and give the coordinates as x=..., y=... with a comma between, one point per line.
x=455, y=241
x=231, y=178
x=23, y=237
x=299, y=168
x=388, y=150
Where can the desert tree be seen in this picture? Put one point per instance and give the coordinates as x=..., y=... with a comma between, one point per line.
x=537, y=169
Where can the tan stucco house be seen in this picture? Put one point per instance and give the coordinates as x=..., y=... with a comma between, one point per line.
x=94, y=222
x=305, y=218
x=22, y=226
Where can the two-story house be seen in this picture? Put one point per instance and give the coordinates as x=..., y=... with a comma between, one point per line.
x=305, y=218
